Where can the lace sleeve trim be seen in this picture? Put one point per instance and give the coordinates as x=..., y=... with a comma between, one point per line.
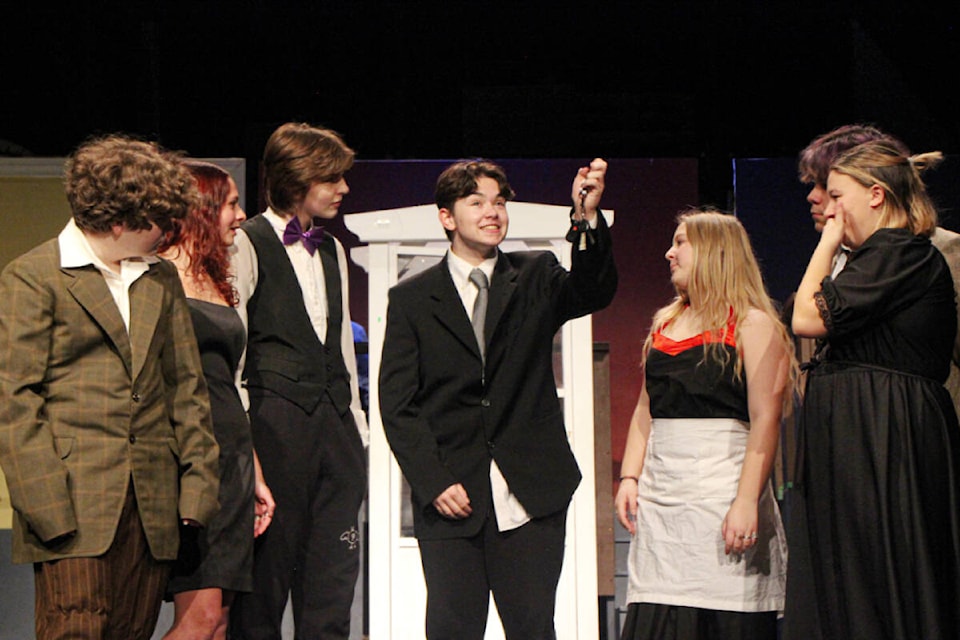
x=824, y=310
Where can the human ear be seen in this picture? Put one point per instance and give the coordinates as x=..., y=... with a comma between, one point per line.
x=446, y=219
x=877, y=196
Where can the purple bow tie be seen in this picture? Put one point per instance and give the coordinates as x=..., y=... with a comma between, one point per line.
x=311, y=239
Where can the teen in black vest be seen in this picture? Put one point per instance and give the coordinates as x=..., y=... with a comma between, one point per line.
x=300, y=376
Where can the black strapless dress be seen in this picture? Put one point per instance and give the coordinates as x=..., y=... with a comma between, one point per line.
x=221, y=555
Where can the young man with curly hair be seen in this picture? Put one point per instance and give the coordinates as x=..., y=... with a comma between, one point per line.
x=105, y=434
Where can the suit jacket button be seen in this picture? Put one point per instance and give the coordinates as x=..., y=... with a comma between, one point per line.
x=490, y=445
x=136, y=397
x=133, y=439
x=485, y=403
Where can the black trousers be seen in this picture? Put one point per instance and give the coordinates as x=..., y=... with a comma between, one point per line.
x=520, y=567
x=315, y=465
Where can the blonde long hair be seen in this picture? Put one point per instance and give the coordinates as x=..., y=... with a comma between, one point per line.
x=724, y=285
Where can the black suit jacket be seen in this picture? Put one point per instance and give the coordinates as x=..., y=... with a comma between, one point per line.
x=445, y=420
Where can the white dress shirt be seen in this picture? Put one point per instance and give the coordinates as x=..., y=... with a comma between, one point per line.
x=75, y=251
x=839, y=260
x=309, y=271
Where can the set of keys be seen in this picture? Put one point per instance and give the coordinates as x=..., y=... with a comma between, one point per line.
x=578, y=224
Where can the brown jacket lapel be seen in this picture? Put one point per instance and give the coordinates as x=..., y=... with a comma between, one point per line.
x=146, y=298
x=90, y=290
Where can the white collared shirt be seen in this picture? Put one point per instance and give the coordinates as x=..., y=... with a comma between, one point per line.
x=510, y=513
x=309, y=271
x=460, y=272
x=75, y=251
x=840, y=260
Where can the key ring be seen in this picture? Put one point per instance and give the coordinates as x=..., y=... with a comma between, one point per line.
x=577, y=221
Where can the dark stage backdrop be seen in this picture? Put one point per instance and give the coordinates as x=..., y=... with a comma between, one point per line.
x=771, y=203
x=645, y=194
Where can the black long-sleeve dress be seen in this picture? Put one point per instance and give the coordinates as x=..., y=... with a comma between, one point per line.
x=875, y=534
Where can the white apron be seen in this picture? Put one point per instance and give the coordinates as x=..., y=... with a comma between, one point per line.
x=689, y=479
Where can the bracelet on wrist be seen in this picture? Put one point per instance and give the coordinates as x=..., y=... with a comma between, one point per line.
x=634, y=478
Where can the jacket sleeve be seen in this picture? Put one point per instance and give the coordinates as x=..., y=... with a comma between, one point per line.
x=408, y=433
x=190, y=414
x=36, y=477
x=592, y=280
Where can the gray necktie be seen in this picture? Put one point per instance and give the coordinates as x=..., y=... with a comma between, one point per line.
x=479, y=316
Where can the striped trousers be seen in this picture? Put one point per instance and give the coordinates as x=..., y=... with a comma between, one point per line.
x=116, y=596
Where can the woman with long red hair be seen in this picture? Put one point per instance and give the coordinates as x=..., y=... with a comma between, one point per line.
x=216, y=562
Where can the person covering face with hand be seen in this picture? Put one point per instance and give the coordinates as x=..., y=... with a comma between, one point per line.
x=879, y=440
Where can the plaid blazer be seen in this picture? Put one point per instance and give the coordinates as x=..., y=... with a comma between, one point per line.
x=86, y=406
